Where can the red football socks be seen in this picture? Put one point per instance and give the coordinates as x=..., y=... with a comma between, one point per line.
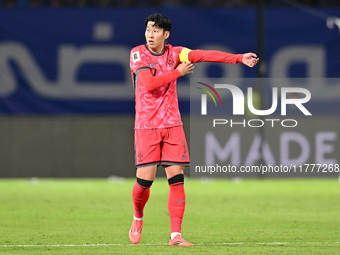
x=140, y=195
x=176, y=202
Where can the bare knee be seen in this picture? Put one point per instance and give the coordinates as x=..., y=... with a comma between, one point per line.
x=147, y=173
x=171, y=171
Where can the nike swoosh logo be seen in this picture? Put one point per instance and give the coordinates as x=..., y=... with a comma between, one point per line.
x=153, y=64
x=181, y=201
x=184, y=157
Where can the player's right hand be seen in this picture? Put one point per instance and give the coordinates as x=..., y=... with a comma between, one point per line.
x=185, y=68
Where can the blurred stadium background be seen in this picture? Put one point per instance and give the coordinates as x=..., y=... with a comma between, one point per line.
x=66, y=97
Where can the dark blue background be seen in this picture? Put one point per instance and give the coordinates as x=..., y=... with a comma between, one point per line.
x=42, y=31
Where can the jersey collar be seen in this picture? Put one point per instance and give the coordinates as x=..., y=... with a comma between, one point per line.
x=153, y=53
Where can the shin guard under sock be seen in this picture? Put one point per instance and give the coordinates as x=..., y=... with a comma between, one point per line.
x=176, y=202
x=140, y=195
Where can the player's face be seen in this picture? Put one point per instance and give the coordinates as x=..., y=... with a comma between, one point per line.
x=155, y=37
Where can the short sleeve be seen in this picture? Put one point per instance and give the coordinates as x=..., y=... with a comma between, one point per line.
x=138, y=60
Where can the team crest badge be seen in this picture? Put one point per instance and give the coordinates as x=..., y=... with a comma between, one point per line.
x=135, y=57
x=171, y=62
x=140, y=156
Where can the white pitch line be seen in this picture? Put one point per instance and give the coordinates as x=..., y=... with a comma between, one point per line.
x=157, y=244
x=54, y=245
x=72, y=245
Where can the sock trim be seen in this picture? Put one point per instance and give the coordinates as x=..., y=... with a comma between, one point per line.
x=177, y=179
x=144, y=184
x=177, y=184
x=173, y=234
x=135, y=218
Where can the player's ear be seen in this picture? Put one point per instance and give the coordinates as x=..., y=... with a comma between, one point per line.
x=166, y=34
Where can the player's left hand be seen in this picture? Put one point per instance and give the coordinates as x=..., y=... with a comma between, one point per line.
x=250, y=59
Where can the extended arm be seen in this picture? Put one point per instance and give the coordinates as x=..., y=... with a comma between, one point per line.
x=214, y=56
x=187, y=55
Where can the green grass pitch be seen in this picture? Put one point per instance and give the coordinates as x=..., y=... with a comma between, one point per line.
x=93, y=216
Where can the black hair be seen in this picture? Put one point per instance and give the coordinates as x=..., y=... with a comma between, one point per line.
x=160, y=20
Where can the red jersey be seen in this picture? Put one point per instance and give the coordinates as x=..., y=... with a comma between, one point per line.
x=154, y=78
x=157, y=108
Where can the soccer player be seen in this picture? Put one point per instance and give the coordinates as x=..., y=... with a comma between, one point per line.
x=159, y=136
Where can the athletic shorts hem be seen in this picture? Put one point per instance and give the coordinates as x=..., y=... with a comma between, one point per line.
x=155, y=163
x=163, y=163
x=174, y=163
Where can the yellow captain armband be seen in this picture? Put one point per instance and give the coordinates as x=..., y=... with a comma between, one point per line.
x=184, y=55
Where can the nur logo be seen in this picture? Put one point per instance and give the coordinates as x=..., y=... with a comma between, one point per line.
x=239, y=99
x=204, y=97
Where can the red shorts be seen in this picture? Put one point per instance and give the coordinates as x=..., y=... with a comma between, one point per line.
x=161, y=146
